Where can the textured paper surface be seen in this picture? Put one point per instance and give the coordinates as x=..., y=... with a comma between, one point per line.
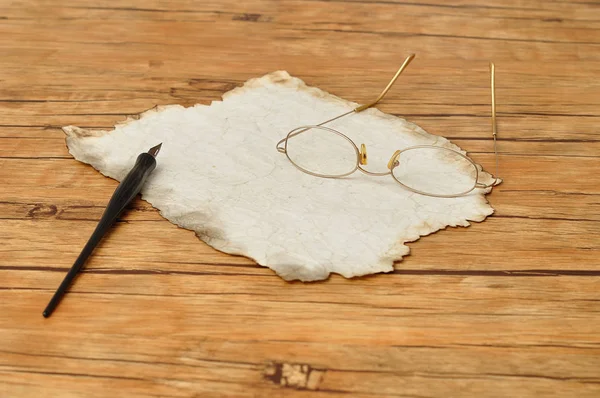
x=220, y=175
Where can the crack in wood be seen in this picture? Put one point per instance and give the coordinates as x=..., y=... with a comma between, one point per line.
x=294, y=375
x=252, y=18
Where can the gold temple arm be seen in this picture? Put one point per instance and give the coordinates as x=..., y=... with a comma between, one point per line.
x=493, y=86
x=281, y=144
x=387, y=88
x=494, y=126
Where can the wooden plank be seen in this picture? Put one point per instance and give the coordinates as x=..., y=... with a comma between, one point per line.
x=559, y=245
x=207, y=340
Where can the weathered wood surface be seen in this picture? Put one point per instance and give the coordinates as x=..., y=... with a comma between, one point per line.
x=507, y=307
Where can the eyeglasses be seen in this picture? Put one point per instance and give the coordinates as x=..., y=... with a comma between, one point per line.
x=425, y=169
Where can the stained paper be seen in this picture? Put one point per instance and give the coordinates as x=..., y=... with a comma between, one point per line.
x=219, y=173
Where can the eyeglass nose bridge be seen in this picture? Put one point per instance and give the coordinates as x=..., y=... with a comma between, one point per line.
x=394, y=160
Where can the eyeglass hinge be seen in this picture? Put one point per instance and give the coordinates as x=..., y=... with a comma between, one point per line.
x=281, y=149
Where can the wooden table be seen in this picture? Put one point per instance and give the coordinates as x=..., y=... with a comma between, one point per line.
x=508, y=308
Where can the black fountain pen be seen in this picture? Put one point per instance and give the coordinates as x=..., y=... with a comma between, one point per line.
x=125, y=192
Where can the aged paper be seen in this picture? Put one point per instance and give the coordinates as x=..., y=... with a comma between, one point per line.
x=220, y=175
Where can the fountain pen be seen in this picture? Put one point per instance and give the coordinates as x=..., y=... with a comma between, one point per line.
x=123, y=195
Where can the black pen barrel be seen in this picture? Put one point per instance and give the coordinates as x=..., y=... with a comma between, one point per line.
x=123, y=195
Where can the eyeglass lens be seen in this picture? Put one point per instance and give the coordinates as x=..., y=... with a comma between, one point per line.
x=435, y=171
x=321, y=151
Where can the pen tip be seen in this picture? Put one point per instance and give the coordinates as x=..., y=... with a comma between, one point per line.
x=154, y=150
x=46, y=314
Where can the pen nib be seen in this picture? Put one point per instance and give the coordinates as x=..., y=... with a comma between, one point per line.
x=154, y=150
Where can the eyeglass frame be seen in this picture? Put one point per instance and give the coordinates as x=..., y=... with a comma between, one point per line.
x=361, y=155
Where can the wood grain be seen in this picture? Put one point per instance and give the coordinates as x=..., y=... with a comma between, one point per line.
x=507, y=307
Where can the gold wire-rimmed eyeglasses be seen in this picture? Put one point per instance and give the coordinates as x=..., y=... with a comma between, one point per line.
x=425, y=169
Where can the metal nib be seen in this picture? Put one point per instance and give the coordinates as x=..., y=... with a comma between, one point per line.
x=154, y=150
